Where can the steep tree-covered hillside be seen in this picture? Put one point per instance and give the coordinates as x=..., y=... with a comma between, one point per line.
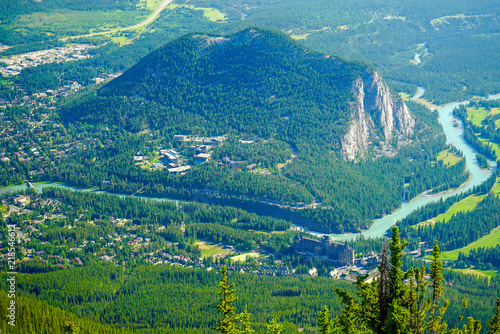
x=257, y=82
x=262, y=84
x=36, y=316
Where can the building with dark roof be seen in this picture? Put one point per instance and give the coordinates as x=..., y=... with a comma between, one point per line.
x=325, y=249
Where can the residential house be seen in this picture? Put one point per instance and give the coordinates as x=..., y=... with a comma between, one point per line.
x=202, y=158
x=180, y=137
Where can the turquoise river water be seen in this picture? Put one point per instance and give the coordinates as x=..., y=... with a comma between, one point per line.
x=380, y=226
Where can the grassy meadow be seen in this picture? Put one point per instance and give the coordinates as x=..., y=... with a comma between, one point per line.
x=210, y=249
x=477, y=272
x=242, y=257
x=448, y=158
x=80, y=22
x=465, y=205
x=490, y=240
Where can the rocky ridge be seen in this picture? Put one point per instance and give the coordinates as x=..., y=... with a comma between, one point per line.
x=376, y=115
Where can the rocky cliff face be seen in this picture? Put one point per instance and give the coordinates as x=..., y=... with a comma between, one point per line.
x=376, y=116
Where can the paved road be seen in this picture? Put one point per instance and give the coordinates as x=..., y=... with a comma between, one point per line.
x=39, y=123
x=150, y=19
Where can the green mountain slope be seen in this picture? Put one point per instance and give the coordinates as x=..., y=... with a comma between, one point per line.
x=256, y=82
x=340, y=118
x=35, y=316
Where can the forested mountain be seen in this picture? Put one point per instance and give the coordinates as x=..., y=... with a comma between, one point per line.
x=256, y=82
x=357, y=143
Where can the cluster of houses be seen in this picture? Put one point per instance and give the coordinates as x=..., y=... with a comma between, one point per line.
x=261, y=270
x=211, y=141
x=73, y=86
x=173, y=161
x=15, y=64
x=227, y=162
x=348, y=273
x=347, y=268
x=199, y=148
x=177, y=260
x=21, y=199
x=105, y=77
x=65, y=90
x=19, y=202
x=40, y=143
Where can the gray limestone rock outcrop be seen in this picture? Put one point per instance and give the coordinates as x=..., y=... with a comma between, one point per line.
x=376, y=115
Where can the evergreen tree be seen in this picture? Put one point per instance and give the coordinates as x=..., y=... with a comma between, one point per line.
x=436, y=325
x=351, y=320
x=383, y=288
x=417, y=303
x=70, y=327
x=245, y=322
x=398, y=313
x=399, y=301
x=472, y=327
x=396, y=288
x=324, y=321
x=274, y=327
x=494, y=324
x=227, y=324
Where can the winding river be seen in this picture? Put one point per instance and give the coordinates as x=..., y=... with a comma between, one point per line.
x=39, y=187
x=454, y=137
x=379, y=226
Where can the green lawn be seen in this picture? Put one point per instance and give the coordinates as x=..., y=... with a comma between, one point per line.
x=405, y=96
x=211, y=14
x=477, y=272
x=80, y=21
x=477, y=115
x=305, y=36
x=122, y=40
x=242, y=257
x=496, y=148
x=496, y=187
x=490, y=240
x=448, y=158
x=209, y=250
x=465, y=205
